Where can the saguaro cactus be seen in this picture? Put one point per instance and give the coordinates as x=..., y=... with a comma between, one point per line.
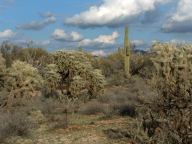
x=127, y=53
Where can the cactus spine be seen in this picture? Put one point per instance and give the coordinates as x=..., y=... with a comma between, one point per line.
x=127, y=53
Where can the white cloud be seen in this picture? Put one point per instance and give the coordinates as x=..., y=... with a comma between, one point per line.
x=181, y=20
x=61, y=35
x=113, y=13
x=48, y=18
x=101, y=40
x=6, y=34
x=108, y=39
x=99, y=53
x=138, y=43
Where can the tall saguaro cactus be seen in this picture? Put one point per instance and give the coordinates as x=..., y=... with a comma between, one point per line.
x=127, y=53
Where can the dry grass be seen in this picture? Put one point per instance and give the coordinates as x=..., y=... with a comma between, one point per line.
x=92, y=107
x=14, y=124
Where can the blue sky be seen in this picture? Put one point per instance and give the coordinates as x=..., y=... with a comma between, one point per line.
x=96, y=25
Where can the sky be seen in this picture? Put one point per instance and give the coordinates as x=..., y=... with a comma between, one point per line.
x=94, y=25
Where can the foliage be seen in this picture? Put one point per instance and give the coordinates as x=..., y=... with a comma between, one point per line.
x=173, y=76
x=9, y=51
x=111, y=65
x=78, y=75
x=21, y=82
x=37, y=57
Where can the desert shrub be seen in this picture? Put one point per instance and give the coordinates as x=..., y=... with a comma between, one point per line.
x=91, y=108
x=117, y=79
x=173, y=77
x=2, y=63
x=123, y=101
x=21, y=82
x=132, y=133
x=136, y=92
x=137, y=62
x=142, y=65
x=7, y=51
x=112, y=67
x=2, y=70
x=14, y=124
x=129, y=99
x=127, y=110
x=56, y=112
x=120, y=109
x=37, y=57
x=117, y=133
x=78, y=76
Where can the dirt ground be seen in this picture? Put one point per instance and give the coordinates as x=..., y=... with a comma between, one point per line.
x=84, y=130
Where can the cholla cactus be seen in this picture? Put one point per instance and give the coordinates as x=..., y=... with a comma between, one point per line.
x=22, y=81
x=171, y=59
x=97, y=82
x=174, y=81
x=78, y=86
x=51, y=76
x=75, y=69
x=51, y=81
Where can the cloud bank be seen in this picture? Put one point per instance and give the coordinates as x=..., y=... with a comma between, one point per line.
x=113, y=13
x=181, y=20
